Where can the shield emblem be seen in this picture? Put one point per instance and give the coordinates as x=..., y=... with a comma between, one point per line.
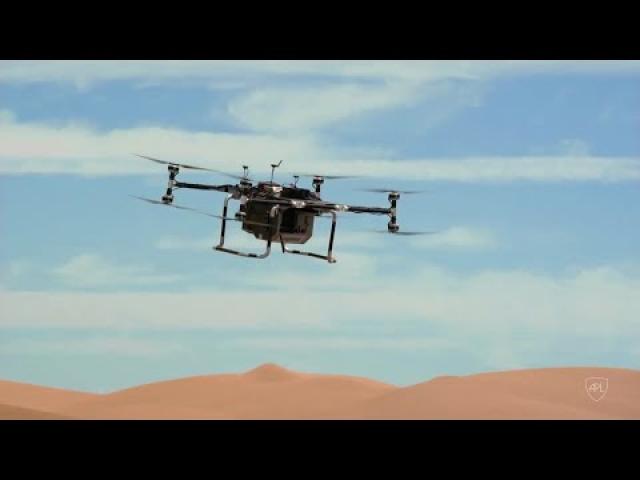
x=596, y=387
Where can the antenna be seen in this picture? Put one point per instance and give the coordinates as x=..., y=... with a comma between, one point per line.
x=273, y=168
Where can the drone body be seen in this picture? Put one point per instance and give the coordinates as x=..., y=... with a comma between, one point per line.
x=272, y=212
x=296, y=224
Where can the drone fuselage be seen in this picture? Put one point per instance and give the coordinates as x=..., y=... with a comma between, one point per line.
x=296, y=225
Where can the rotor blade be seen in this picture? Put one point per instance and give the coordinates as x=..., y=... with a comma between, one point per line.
x=389, y=190
x=328, y=177
x=182, y=165
x=193, y=167
x=158, y=202
x=404, y=232
x=220, y=217
x=233, y=175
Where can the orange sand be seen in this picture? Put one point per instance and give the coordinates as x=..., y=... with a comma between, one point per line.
x=273, y=392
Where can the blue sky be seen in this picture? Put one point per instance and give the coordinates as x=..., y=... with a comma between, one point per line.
x=532, y=168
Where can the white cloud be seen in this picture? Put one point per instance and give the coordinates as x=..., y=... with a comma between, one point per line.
x=576, y=147
x=596, y=302
x=86, y=73
x=18, y=268
x=41, y=148
x=599, y=300
x=270, y=101
x=205, y=309
x=542, y=168
x=343, y=343
x=89, y=270
x=296, y=109
x=306, y=108
x=91, y=346
x=7, y=116
x=461, y=238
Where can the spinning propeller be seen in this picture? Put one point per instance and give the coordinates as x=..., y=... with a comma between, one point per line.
x=318, y=179
x=392, y=227
x=389, y=190
x=193, y=167
x=403, y=232
x=157, y=202
x=327, y=177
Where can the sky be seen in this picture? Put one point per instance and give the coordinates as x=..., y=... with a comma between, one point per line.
x=532, y=179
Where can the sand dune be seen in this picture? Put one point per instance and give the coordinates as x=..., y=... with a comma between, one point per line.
x=268, y=391
x=552, y=393
x=11, y=412
x=273, y=392
x=35, y=397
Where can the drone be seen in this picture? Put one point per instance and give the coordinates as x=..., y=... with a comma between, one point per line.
x=272, y=212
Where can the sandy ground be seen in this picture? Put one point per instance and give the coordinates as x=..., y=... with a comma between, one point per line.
x=37, y=398
x=273, y=392
x=11, y=412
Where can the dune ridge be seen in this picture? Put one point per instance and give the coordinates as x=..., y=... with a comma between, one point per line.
x=11, y=412
x=270, y=391
x=36, y=397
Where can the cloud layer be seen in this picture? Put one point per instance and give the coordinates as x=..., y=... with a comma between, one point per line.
x=41, y=148
x=91, y=270
x=303, y=109
x=598, y=301
x=283, y=110
x=84, y=74
x=118, y=346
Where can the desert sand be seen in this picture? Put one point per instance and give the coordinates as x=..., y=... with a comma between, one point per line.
x=9, y=412
x=36, y=398
x=273, y=392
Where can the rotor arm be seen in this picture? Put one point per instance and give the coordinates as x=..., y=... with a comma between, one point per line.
x=371, y=210
x=200, y=186
x=327, y=207
x=392, y=226
x=173, y=183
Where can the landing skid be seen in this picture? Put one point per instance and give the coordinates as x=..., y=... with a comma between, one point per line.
x=274, y=212
x=328, y=257
x=274, y=229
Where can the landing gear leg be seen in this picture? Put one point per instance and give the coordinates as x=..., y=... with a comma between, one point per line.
x=328, y=257
x=274, y=226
